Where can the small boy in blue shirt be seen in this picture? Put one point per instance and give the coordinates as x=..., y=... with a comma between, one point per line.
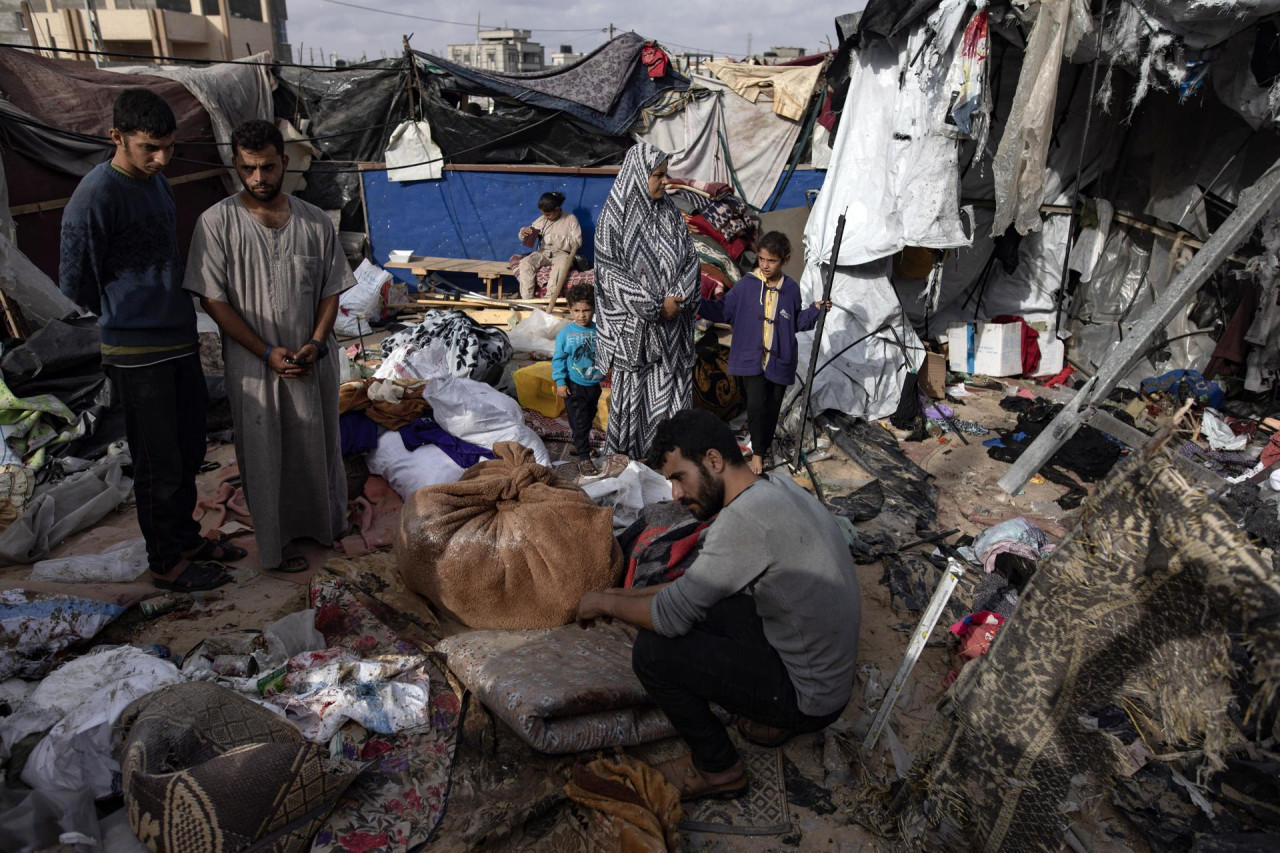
x=573, y=368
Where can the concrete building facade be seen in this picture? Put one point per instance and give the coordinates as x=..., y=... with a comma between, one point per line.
x=187, y=29
x=565, y=56
x=508, y=51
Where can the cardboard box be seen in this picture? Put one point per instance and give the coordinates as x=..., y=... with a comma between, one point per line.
x=1053, y=356
x=990, y=349
x=932, y=376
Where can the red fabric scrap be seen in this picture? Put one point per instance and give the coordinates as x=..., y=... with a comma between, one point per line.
x=655, y=59
x=1030, y=344
x=1271, y=452
x=1060, y=378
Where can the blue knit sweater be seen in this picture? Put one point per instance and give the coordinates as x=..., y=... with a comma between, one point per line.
x=120, y=259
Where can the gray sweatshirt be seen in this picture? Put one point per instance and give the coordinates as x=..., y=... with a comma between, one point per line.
x=776, y=542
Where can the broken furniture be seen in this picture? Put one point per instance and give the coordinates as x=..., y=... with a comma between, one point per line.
x=489, y=272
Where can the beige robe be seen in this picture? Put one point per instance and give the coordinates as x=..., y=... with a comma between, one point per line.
x=560, y=242
x=286, y=430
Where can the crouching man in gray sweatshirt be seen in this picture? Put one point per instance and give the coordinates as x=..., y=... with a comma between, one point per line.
x=764, y=623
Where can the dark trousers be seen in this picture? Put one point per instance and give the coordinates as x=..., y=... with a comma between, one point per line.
x=164, y=412
x=581, y=405
x=727, y=660
x=764, y=402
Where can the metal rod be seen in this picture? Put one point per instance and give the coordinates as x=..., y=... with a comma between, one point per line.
x=828, y=280
x=928, y=622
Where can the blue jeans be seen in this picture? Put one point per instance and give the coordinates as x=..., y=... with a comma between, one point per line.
x=725, y=659
x=164, y=414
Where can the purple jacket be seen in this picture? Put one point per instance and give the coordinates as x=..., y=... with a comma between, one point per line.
x=743, y=308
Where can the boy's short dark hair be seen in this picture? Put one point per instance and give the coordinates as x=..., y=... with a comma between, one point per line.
x=143, y=111
x=693, y=432
x=257, y=135
x=550, y=201
x=582, y=293
x=775, y=242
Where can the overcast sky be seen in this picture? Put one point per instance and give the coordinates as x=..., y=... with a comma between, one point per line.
x=711, y=27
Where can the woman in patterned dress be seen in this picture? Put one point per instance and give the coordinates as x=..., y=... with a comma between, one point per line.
x=647, y=292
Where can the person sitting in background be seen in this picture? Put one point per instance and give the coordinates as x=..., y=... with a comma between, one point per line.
x=573, y=368
x=764, y=309
x=764, y=623
x=560, y=236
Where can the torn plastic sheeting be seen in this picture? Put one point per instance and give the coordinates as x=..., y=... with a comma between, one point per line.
x=77, y=752
x=121, y=562
x=49, y=820
x=65, y=508
x=868, y=345
x=27, y=285
x=536, y=333
x=627, y=494
x=1219, y=435
x=1019, y=164
x=291, y=635
x=899, y=178
x=322, y=690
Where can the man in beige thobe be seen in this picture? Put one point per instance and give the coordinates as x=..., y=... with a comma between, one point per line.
x=268, y=269
x=560, y=238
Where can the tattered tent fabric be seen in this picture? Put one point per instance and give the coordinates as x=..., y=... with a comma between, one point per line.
x=637, y=91
x=230, y=92
x=759, y=141
x=1140, y=602
x=35, y=293
x=791, y=87
x=868, y=344
x=70, y=155
x=899, y=176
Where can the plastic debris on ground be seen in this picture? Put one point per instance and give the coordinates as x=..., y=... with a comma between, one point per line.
x=630, y=492
x=35, y=626
x=122, y=562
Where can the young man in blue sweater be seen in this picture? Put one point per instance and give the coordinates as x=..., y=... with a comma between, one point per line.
x=573, y=369
x=120, y=260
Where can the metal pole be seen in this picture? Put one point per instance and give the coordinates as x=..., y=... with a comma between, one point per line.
x=1254, y=203
x=829, y=280
x=932, y=613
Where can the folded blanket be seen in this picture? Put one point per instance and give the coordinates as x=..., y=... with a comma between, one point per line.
x=642, y=810
x=565, y=690
x=507, y=546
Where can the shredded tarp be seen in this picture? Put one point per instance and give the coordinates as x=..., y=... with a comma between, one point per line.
x=600, y=71
x=1019, y=164
x=791, y=88
x=68, y=507
x=898, y=181
x=33, y=291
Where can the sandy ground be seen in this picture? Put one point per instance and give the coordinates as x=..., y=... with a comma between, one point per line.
x=969, y=501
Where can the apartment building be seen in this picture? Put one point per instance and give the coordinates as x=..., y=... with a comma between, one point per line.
x=508, y=51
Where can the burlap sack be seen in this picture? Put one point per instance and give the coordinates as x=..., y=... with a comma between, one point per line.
x=506, y=546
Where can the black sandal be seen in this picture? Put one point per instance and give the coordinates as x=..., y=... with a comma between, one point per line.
x=217, y=551
x=197, y=577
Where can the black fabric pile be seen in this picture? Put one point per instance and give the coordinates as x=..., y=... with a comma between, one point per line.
x=1089, y=454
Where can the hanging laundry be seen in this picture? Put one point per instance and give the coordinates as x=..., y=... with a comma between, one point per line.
x=655, y=59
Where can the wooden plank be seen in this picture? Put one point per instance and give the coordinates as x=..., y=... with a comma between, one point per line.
x=531, y=170
x=59, y=203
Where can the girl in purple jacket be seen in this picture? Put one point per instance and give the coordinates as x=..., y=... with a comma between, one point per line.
x=765, y=311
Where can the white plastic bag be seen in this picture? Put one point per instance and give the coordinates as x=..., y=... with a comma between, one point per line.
x=412, y=155
x=481, y=415
x=409, y=361
x=406, y=471
x=536, y=334
x=1219, y=435
x=120, y=563
x=363, y=302
x=94, y=690
x=629, y=492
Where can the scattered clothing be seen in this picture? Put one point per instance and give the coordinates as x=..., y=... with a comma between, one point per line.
x=643, y=255
x=661, y=544
x=36, y=626
x=1185, y=385
x=375, y=519
x=641, y=808
x=975, y=633
x=359, y=433
x=388, y=403
x=426, y=431
x=1013, y=536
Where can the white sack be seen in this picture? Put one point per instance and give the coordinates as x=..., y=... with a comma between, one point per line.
x=536, y=334
x=631, y=491
x=475, y=412
x=412, y=155
x=406, y=471
x=362, y=301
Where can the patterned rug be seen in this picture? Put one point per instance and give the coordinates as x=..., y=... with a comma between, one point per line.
x=763, y=811
x=399, y=799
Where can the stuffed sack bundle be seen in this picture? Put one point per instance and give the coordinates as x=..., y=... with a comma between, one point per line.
x=506, y=546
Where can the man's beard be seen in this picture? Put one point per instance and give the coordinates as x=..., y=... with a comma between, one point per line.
x=267, y=194
x=707, y=502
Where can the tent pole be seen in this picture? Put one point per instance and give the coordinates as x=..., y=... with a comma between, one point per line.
x=828, y=281
x=1254, y=203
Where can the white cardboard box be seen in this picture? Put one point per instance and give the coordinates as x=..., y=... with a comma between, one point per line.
x=996, y=348
x=1053, y=355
